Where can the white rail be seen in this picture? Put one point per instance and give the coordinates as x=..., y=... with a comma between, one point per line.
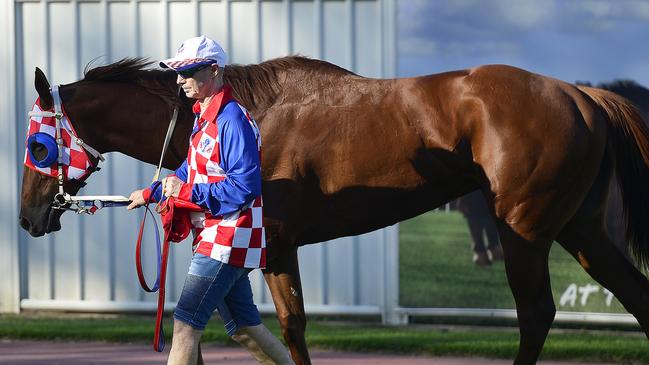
x=563, y=317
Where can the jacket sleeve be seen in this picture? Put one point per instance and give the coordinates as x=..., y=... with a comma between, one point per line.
x=241, y=163
x=181, y=172
x=154, y=192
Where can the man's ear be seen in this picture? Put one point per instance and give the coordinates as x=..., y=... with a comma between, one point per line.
x=43, y=88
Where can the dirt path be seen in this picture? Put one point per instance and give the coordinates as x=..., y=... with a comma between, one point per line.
x=70, y=353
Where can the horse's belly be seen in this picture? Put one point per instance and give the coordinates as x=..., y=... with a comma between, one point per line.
x=360, y=210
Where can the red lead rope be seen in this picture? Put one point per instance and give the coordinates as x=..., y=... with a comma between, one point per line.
x=176, y=226
x=159, y=285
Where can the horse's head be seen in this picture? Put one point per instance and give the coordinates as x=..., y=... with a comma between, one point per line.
x=37, y=213
x=111, y=109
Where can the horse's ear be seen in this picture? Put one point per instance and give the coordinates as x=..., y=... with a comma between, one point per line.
x=43, y=89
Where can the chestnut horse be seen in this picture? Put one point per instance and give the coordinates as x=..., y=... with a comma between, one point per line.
x=345, y=155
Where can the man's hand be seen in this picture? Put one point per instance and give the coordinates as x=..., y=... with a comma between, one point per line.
x=171, y=186
x=137, y=199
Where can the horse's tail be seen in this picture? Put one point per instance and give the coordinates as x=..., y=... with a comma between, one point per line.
x=628, y=137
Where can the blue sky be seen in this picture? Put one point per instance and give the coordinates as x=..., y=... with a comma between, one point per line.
x=586, y=40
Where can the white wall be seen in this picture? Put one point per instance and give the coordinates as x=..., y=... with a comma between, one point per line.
x=89, y=264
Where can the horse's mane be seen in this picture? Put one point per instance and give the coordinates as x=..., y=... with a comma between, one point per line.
x=136, y=71
x=124, y=70
x=255, y=86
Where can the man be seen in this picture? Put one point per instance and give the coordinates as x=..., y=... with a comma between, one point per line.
x=221, y=174
x=474, y=208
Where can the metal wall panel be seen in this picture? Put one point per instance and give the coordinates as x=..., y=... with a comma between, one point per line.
x=306, y=28
x=62, y=53
x=366, y=45
x=89, y=264
x=337, y=35
x=9, y=243
x=98, y=253
x=275, y=25
x=243, y=32
x=34, y=32
x=213, y=17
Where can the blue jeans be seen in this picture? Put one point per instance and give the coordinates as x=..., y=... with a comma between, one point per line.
x=212, y=285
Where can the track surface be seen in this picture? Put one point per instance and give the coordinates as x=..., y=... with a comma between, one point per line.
x=71, y=353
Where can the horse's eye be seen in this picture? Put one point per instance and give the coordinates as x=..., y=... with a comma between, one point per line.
x=38, y=150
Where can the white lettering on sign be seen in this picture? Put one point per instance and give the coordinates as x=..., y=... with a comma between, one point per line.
x=573, y=292
x=587, y=290
x=569, y=296
x=609, y=297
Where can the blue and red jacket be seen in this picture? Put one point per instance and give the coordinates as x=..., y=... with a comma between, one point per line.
x=222, y=173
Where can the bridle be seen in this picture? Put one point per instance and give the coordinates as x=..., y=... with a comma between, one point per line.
x=63, y=200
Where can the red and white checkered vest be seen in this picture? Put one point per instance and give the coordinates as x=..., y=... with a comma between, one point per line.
x=238, y=238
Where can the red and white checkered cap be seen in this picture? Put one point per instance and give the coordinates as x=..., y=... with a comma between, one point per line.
x=196, y=51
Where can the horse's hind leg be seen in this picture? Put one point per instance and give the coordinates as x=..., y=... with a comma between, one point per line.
x=603, y=261
x=526, y=264
x=585, y=238
x=283, y=280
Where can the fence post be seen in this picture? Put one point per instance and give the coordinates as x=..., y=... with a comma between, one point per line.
x=9, y=259
x=390, y=264
x=390, y=299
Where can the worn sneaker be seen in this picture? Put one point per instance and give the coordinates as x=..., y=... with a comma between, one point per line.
x=496, y=253
x=481, y=259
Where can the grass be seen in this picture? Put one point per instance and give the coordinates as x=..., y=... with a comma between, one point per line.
x=436, y=271
x=617, y=347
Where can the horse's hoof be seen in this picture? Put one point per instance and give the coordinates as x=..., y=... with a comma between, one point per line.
x=496, y=254
x=481, y=259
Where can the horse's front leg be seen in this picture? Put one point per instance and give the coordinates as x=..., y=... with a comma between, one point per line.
x=283, y=279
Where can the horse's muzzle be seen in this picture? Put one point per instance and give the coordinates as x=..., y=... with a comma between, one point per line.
x=25, y=223
x=32, y=229
x=51, y=222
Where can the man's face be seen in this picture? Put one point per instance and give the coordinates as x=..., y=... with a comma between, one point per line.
x=200, y=84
